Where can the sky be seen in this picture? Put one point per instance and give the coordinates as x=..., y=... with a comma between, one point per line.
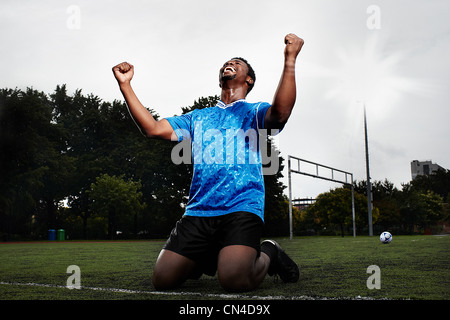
x=390, y=57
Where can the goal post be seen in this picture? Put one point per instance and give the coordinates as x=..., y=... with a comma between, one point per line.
x=319, y=171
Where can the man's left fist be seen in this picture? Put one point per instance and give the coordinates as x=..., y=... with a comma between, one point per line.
x=293, y=45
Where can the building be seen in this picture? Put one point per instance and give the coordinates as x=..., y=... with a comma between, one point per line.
x=302, y=204
x=421, y=168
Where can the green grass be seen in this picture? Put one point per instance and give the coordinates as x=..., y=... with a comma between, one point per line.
x=412, y=267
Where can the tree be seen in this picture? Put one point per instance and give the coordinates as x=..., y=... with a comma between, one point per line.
x=117, y=200
x=438, y=182
x=103, y=139
x=54, y=147
x=334, y=208
x=83, y=141
x=421, y=209
x=32, y=167
x=276, y=206
x=386, y=199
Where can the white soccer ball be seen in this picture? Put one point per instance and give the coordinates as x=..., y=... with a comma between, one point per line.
x=385, y=237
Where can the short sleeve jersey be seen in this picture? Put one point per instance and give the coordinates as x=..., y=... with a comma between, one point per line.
x=227, y=169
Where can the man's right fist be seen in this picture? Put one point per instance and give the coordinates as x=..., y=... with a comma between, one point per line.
x=123, y=72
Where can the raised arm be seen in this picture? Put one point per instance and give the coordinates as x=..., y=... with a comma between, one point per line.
x=150, y=127
x=284, y=99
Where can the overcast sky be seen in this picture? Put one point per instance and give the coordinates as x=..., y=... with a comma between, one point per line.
x=391, y=56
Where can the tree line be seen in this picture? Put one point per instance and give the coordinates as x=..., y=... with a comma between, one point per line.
x=78, y=163
x=419, y=207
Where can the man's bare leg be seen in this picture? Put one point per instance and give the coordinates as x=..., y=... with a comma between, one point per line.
x=239, y=269
x=171, y=270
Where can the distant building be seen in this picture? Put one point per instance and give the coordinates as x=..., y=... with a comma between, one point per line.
x=421, y=168
x=302, y=204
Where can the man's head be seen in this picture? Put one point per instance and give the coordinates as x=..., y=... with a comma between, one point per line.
x=238, y=69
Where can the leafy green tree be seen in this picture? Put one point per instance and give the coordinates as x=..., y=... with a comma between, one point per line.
x=83, y=140
x=421, y=209
x=32, y=168
x=102, y=138
x=386, y=199
x=54, y=147
x=276, y=207
x=334, y=208
x=117, y=200
x=305, y=222
x=438, y=182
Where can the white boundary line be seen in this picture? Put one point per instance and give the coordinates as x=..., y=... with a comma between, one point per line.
x=183, y=293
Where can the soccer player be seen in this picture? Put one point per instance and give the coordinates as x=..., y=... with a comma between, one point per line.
x=221, y=228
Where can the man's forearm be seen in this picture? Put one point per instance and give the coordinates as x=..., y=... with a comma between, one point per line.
x=143, y=119
x=123, y=72
x=286, y=93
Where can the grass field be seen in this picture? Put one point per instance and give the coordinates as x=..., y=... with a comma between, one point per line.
x=411, y=267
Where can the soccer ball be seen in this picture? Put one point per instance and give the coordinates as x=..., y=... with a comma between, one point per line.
x=385, y=237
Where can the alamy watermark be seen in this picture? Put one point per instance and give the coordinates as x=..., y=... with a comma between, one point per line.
x=74, y=280
x=373, y=21
x=374, y=280
x=230, y=146
x=73, y=21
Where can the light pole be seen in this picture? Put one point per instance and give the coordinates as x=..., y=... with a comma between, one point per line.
x=369, y=185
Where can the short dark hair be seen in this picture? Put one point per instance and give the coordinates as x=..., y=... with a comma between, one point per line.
x=250, y=73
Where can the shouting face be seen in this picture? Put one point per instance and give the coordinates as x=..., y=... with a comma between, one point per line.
x=237, y=71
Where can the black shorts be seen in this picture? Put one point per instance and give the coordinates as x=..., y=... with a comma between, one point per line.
x=201, y=238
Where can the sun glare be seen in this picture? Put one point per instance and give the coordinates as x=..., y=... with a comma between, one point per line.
x=366, y=74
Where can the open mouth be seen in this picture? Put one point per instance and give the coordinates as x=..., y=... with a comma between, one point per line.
x=229, y=69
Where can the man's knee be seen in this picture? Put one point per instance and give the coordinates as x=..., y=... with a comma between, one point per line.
x=165, y=281
x=237, y=269
x=171, y=270
x=236, y=280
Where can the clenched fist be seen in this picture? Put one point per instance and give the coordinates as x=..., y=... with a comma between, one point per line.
x=123, y=72
x=293, y=45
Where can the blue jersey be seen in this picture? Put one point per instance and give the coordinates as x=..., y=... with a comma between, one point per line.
x=227, y=168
